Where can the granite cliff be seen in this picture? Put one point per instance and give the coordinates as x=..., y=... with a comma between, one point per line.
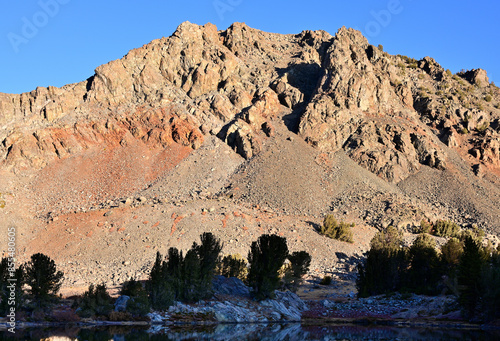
x=244, y=132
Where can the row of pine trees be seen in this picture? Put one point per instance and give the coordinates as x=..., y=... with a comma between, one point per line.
x=175, y=277
x=463, y=267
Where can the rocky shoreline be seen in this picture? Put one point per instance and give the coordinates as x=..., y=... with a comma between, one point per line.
x=415, y=311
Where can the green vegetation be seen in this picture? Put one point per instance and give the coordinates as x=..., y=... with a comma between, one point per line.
x=423, y=272
x=441, y=228
x=5, y=287
x=445, y=228
x=159, y=286
x=341, y=231
x=482, y=127
x=186, y=278
x=299, y=266
x=385, y=263
x=267, y=255
x=326, y=280
x=43, y=279
x=139, y=304
x=233, y=266
x=464, y=267
x=488, y=98
x=95, y=302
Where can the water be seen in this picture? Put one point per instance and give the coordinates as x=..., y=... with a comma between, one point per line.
x=278, y=332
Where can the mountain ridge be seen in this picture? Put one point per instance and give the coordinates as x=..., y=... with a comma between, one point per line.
x=296, y=126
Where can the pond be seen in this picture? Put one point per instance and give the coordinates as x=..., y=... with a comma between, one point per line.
x=288, y=332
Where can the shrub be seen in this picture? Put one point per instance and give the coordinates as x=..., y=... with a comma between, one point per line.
x=96, y=301
x=488, y=98
x=425, y=227
x=299, y=266
x=139, y=304
x=424, y=269
x=446, y=228
x=233, y=266
x=451, y=253
x=475, y=233
x=43, y=279
x=326, y=280
x=267, y=255
x=331, y=228
x=381, y=47
x=482, y=128
x=385, y=261
x=117, y=316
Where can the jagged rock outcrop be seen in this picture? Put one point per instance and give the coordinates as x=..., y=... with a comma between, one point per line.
x=155, y=127
x=488, y=149
x=393, y=115
x=357, y=109
x=244, y=134
x=218, y=79
x=287, y=306
x=476, y=76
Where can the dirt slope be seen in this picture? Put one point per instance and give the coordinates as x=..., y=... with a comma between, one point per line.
x=242, y=132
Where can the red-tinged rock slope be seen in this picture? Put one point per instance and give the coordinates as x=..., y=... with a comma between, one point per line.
x=206, y=123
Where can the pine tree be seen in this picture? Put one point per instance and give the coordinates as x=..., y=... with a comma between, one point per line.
x=191, y=277
x=385, y=262
x=161, y=294
x=43, y=279
x=96, y=301
x=208, y=254
x=424, y=270
x=469, y=274
x=299, y=266
x=266, y=257
x=233, y=266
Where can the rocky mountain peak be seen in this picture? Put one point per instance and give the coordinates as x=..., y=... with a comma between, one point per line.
x=394, y=116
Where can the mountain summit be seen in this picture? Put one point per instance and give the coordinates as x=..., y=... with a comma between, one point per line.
x=283, y=127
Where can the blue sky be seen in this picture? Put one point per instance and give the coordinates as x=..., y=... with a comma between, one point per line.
x=57, y=42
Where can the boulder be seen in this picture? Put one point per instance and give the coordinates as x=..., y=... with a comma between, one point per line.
x=230, y=286
x=121, y=303
x=477, y=77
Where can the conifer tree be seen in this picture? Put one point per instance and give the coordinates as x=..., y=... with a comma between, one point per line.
x=43, y=279
x=266, y=257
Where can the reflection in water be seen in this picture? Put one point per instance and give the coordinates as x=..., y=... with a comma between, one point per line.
x=278, y=332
